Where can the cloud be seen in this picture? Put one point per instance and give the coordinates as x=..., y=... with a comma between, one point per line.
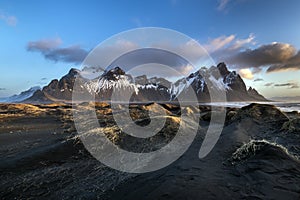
x=112, y=55
x=44, y=45
x=186, y=69
x=42, y=81
x=9, y=19
x=241, y=43
x=152, y=58
x=239, y=54
x=268, y=84
x=263, y=55
x=246, y=73
x=222, y=48
x=291, y=64
x=154, y=62
x=51, y=49
x=293, y=85
x=72, y=54
x=218, y=43
x=275, y=56
x=222, y=4
x=289, y=85
x=1, y=89
x=102, y=56
x=190, y=50
x=258, y=79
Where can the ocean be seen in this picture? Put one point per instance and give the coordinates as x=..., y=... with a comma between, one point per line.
x=283, y=106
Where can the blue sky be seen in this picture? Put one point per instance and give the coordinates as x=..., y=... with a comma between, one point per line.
x=240, y=32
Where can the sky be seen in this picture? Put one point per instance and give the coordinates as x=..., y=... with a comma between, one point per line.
x=43, y=40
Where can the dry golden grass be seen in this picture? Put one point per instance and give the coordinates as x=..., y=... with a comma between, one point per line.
x=19, y=110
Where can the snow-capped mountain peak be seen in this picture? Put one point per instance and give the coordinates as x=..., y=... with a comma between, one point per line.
x=112, y=79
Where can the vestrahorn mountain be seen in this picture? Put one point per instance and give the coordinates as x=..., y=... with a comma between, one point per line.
x=144, y=88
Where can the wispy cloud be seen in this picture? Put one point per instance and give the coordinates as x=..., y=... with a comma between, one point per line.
x=222, y=4
x=51, y=49
x=241, y=43
x=288, y=85
x=218, y=43
x=269, y=84
x=228, y=44
x=258, y=79
x=2, y=89
x=8, y=19
x=293, y=85
x=224, y=47
x=42, y=81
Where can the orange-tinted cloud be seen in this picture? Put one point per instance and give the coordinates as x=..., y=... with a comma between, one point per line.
x=246, y=73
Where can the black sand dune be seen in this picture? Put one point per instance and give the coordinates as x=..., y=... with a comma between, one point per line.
x=255, y=158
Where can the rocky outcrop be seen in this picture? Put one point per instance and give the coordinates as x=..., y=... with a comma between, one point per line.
x=292, y=126
x=261, y=113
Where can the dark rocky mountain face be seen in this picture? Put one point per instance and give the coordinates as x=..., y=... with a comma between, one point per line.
x=233, y=84
x=63, y=88
x=253, y=93
x=38, y=97
x=144, y=88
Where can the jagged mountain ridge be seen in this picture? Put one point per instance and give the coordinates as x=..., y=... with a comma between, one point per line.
x=152, y=89
x=231, y=81
x=141, y=88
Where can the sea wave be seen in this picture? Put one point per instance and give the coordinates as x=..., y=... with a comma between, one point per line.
x=283, y=106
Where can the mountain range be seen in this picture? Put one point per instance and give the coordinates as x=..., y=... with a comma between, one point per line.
x=142, y=87
x=22, y=96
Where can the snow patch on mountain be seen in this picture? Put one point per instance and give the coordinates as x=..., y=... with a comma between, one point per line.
x=147, y=86
x=230, y=78
x=180, y=86
x=194, y=79
x=103, y=84
x=219, y=83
